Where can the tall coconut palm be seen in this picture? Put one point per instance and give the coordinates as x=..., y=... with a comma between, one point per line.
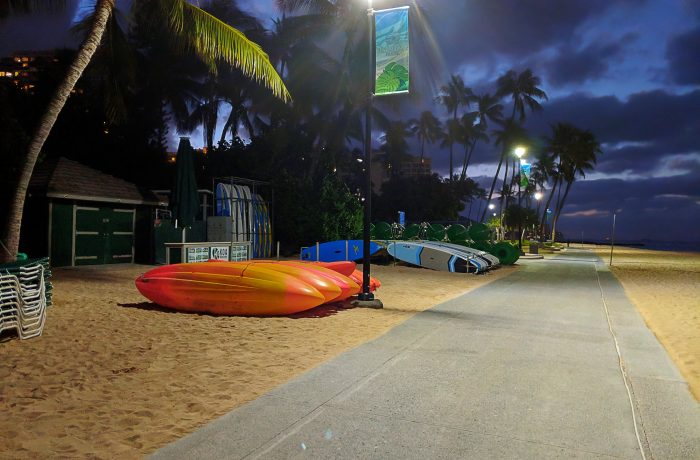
x=196, y=30
x=453, y=134
x=558, y=146
x=580, y=156
x=510, y=134
x=452, y=96
x=472, y=133
x=488, y=108
x=427, y=129
x=523, y=88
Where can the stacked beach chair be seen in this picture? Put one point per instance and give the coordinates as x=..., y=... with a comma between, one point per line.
x=25, y=292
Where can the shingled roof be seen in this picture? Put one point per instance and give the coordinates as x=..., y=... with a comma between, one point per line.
x=64, y=178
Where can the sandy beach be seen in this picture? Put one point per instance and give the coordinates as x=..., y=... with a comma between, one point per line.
x=665, y=287
x=113, y=376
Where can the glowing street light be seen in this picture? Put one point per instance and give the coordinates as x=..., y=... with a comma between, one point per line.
x=520, y=151
x=538, y=196
x=492, y=206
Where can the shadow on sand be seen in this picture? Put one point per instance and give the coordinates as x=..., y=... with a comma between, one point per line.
x=321, y=311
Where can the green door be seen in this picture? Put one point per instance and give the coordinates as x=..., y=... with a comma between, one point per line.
x=103, y=235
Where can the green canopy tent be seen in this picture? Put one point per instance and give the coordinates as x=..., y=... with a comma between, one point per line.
x=184, y=201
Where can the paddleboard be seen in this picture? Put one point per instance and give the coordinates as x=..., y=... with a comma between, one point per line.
x=334, y=251
x=489, y=260
x=435, y=257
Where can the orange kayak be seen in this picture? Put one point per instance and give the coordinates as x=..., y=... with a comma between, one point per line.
x=374, y=283
x=226, y=288
x=345, y=267
x=321, y=283
x=347, y=286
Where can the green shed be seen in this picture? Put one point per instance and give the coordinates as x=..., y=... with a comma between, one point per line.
x=80, y=216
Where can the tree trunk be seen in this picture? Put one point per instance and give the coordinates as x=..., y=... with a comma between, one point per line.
x=493, y=185
x=467, y=160
x=560, y=206
x=451, y=144
x=227, y=125
x=546, y=206
x=11, y=229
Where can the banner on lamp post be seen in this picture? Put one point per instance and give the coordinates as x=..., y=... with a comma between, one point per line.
x=391, y=51
x=524, y=174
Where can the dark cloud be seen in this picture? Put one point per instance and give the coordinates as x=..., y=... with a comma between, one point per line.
x=658, y=208
x=683, y=53
x=509, y=27
x=572, y=65
x=653, y=116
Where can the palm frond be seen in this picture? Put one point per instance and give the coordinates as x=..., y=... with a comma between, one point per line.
x=214, y=40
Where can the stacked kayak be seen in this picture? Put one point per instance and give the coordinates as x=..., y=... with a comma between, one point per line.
x=264, y=288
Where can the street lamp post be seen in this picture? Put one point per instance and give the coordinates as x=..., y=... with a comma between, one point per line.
x=520, y=152
x=366, y=298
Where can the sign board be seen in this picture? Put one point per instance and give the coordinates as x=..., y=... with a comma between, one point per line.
x=391, y=51
x=220, y=253
x=197, y=255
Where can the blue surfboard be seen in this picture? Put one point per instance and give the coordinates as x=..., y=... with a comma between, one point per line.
x=335, y=251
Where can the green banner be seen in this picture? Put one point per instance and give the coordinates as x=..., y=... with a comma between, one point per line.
x=524, y=174
x=391, y=51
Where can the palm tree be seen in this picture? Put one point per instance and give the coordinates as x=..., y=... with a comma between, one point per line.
x=523, y=88
x=488, y=109
x=510, y=134
x=579, y=156
x=471, y=134
x=196, y=30
x=427, y=129
x=454, y=95
x=558, y=145
x=452, y=135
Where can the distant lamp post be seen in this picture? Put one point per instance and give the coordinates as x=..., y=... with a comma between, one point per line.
x=492, y=206
x=520, y=153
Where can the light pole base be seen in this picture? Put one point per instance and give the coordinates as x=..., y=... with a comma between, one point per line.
x=367, y=301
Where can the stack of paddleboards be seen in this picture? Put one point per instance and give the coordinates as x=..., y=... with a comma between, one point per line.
x=441, y=256
x=256, y=288
x=250, y=216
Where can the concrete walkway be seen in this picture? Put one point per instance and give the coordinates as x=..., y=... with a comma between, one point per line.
x=524, y=367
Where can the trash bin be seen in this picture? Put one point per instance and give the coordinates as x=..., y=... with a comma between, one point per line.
x=534, y=248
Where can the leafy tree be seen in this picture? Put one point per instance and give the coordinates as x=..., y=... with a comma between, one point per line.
x=516, y=217
x=341, y=212
x=423, y=198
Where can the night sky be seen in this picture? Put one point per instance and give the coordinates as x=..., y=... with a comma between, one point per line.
x=628, y=70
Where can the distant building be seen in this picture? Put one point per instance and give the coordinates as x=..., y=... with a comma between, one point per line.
x=23, y=67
